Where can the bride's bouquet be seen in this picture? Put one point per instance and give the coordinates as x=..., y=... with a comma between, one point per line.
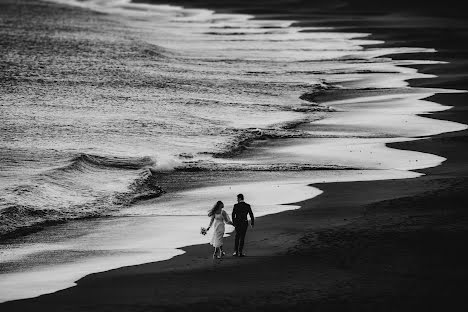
x=203, y=231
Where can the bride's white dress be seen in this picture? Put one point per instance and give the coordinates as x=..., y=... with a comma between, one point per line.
x=218, y=228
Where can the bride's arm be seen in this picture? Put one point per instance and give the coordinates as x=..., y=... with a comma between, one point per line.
x=226, y=218
x=211, y=222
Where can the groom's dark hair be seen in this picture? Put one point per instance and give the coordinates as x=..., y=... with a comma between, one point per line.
x=240, y=196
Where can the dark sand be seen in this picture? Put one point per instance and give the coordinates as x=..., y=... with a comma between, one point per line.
x=367, y=246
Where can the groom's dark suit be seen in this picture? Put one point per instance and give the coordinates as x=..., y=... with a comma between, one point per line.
x=239, y=219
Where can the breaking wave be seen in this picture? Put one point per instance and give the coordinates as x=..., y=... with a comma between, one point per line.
x=73, y=191
x=87, y=160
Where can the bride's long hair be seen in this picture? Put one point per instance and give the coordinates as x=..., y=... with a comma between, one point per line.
x=215, y=208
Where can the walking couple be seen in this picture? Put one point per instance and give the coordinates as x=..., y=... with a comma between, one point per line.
x=239, y=220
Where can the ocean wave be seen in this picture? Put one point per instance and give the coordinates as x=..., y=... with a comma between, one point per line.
x=249, y=27
x=242, y=139
x=247, y=137
x=313, y=107
x=142, y=188
x=75, y=191
x=17, y=219
x=303, y=108
x=197, y=166
x=242, y=33
x=84, y=161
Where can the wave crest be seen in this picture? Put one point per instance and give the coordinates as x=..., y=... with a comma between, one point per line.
x=198, y=166
x=84, y=161
x=19, y=215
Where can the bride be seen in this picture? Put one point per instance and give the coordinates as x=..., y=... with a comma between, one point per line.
x=218, y=218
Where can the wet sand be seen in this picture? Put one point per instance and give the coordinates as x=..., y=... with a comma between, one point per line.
x=360, y=246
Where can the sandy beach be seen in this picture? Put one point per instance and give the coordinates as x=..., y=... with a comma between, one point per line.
x=395, y=245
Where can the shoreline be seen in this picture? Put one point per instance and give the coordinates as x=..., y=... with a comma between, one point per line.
x=193, y=259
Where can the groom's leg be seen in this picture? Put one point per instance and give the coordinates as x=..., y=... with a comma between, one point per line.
x=236, y=239
x=242, y=233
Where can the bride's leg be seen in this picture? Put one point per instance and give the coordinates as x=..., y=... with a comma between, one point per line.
x=221, y=251
x=214, y=252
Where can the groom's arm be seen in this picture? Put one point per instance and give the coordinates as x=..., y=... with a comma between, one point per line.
x=252, y=219
x=233, y=215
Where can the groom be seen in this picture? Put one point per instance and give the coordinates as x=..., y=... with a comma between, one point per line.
x=239, y=219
